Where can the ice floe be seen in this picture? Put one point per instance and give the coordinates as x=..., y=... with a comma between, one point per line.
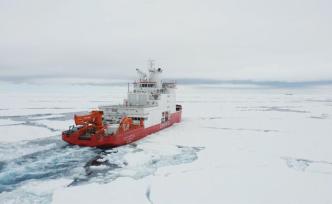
x=233, y=146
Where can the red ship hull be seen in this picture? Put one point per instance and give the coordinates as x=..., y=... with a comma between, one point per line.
x=102, y=141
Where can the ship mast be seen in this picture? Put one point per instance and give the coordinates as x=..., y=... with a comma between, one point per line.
x=151, y=64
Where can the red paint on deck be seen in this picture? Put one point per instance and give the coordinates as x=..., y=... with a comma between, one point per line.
x=99, y=139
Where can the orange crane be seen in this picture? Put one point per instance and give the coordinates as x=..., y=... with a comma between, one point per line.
x=94, y=119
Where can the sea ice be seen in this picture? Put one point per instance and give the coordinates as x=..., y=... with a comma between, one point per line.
x=234, y=145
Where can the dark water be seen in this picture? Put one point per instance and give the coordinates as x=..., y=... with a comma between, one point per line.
x=58, y=160
x=50, y=158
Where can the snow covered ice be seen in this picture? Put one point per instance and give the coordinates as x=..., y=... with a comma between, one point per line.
x=235, y=145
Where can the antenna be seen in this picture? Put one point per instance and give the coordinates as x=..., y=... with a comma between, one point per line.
x=151, y=64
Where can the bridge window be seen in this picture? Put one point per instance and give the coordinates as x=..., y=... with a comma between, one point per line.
x=137, y=119
x=147, y=85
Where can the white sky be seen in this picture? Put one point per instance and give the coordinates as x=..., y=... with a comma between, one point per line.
x=222, y=39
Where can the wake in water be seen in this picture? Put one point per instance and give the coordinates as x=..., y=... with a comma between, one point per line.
x=36, y=162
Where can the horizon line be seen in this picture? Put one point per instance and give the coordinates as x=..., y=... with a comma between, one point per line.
x=184, y=81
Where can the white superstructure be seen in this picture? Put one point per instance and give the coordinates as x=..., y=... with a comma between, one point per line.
x=149, y=99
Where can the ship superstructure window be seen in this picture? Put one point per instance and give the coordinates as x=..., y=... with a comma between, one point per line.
x=136, y=118
x=147, y=85
x=165, y=116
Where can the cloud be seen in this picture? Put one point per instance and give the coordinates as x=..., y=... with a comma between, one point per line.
x=229, y=40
